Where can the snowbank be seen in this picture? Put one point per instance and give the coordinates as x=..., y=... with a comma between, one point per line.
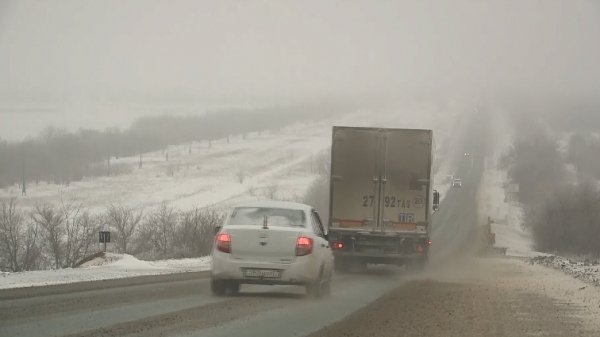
x=588, y=272
x=109, y=266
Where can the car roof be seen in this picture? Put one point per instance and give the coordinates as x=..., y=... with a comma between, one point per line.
x=275, y=204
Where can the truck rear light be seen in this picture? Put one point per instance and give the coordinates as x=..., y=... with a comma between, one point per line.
x=337, y=245
x=420, y=248
x=224, y=242
x=429, y=242
x=304, y=246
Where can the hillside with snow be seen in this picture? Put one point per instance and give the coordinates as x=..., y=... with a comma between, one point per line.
x=276, y=164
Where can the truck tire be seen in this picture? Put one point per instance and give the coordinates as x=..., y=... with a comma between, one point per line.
x=341, y=265
x=416, y=265
x=359, y=266
x=350, y=265
x=233, y=287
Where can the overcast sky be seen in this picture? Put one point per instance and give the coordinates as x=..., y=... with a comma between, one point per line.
x=78, y=61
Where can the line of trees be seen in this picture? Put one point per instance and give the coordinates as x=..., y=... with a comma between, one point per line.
x=568, y=221
x=62, y=157
x=49, y=236
x=559, y=189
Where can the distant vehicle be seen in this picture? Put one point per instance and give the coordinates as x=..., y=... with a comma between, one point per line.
x=467, y=154
x=381, y=196
x=457, y=182
x=272, y=242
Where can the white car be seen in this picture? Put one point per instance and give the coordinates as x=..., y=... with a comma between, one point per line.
x=272, y=242
x=457, y=183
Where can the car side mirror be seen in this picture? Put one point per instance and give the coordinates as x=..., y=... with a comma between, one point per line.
x=436, y=200
x=217, y=229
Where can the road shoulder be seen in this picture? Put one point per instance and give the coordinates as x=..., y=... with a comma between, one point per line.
x=480, y=297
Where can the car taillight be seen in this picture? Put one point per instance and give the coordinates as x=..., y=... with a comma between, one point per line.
x=304, y=246
x=337, y=245
x=224, y=242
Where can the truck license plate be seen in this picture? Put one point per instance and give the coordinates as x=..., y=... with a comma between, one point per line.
x=262, y=273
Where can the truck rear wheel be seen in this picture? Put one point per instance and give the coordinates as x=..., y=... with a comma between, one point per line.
x=341, y=265
x=416, y=264
x=233, y=287
x=349, y=264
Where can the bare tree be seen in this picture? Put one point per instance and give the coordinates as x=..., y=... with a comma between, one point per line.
x=534, y=162
x=195, y=232
x=80, y=230
x=11, y=234
x=32, y=249
x=124, y=221
x=51, y=222
x=567, y=221
x=161, y=223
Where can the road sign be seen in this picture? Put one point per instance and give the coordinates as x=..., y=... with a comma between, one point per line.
x=104, y=236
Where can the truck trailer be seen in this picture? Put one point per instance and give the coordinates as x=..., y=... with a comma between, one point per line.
x=381, y=196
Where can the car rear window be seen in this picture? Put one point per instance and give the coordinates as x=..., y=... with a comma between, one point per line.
x=281, y=217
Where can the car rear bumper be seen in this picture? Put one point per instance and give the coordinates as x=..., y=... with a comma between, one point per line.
x=303, y=270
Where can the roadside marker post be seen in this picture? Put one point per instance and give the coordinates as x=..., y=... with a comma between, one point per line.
x=104, y=238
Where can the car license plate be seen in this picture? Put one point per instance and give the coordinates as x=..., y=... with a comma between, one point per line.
x=262, y=273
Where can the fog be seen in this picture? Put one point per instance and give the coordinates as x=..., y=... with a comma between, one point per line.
x=98, y=63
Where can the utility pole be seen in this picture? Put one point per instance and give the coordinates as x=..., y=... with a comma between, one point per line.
x=24, y=184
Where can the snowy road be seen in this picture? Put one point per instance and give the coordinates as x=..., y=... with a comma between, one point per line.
x=460, y=294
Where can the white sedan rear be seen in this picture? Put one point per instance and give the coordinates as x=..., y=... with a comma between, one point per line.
x=272, y=243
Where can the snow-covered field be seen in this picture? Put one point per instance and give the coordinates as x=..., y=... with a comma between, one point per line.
x=111, y=266
x=206, y=176
x=279, y=164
